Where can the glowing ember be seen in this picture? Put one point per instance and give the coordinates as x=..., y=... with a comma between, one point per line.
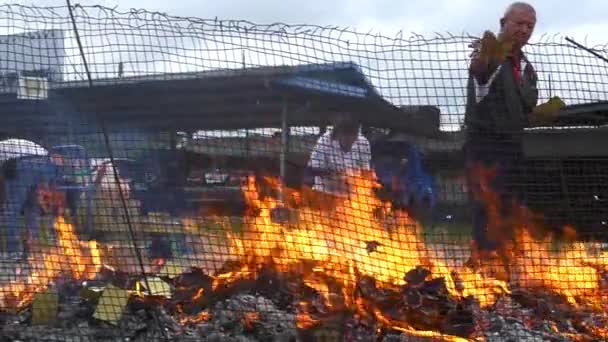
x=202, y=316
x=250, y=318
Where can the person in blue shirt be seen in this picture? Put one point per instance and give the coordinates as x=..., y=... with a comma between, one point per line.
x=26, y=179
x=400, y=170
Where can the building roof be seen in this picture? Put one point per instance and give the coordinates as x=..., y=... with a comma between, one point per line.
x=219, y=99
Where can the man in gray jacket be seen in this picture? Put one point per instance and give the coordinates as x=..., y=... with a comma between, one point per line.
x=501, y=96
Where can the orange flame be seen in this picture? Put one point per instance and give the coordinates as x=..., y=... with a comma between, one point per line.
x=351, y=239
x=81, y=265
x=202, y=316
x=356, y=235
x=81, y=260
x=343, y=237
x=345, y=242
x=572, y=270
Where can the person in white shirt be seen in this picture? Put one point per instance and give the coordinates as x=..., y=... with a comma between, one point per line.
x=339, y=150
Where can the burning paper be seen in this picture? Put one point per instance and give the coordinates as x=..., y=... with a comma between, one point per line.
x=44, y=308
x=172, y=269
x=157, y=287
x=112, y=304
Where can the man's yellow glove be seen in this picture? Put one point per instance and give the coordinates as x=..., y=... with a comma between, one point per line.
x=492, y=50
x=548, y=111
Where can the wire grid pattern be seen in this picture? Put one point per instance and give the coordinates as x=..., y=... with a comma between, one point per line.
x=159, y=183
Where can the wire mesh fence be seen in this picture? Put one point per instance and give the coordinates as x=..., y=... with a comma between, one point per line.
x=169, y=178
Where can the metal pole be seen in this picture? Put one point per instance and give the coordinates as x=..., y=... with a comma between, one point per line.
x=581, y=46
x=284, y=147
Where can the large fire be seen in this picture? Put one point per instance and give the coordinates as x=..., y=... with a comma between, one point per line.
x=360, y=236
x=336, y=244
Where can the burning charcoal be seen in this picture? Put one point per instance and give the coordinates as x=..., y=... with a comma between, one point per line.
x=497, y=323
x=104, y=331
x=505, y=306
x=204, y=328
x=158, y=326
x=270, y=285
x=74, y=309
x=357, y=332
x=183, y=296
x=417, y=276
x=331, y=329
x=544, y=309
x=159, y=248
x=509, y=329
x=436, y=286
x=367, y=286
x=42, y=333
x=555, y=308
x=431, y=314
x=372, y=246
x=389, y=302
x=166, y=320
x=459, y=322
x=413, y=298
x=193, y=278
x=132, y=325
x=67, y=287
x=191, y=292
x=471, y=303
x=189, y=308
x=320, y=305
x=219, y=337
x=277, y=325
x=137, y=303
x=228, y=316
x=425, y=318
x=408, y=338
x=255, y=315
x=393, y=338
x=207, y=331
x=154, y=335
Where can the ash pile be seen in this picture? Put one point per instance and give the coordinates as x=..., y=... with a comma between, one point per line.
x=266, y=305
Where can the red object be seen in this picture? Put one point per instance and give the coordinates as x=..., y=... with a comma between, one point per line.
x=516, y=69
x=51, y=200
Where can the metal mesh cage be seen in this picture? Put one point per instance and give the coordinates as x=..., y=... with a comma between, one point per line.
x=169, y=178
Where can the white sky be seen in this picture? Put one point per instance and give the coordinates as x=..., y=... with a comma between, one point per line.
x=580, y=19
x=576, y=82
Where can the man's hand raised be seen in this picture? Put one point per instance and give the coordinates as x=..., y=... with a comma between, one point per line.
x=494, y=50
x=488, y=53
